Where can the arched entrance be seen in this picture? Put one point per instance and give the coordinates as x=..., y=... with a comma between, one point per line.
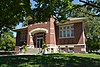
x=38, y=37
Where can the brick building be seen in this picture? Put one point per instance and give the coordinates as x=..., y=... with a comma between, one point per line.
x=65, y=36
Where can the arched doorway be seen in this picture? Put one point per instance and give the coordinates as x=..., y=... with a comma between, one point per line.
x=38, y=37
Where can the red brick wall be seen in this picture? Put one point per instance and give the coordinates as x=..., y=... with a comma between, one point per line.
x=78, y=30
x=18, y=37
x=34, y=26
x=50, y=26
x=52, y=31
x=77, y=49
x=78, y=39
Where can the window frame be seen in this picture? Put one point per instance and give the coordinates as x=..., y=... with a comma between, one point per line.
x=66, y=28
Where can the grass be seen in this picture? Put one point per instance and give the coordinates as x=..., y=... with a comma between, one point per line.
x=51, y=60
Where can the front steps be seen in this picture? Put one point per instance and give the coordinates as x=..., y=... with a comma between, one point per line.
x=33, y=51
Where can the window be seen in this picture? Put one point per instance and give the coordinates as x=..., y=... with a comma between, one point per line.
x=60, y=28
x=71, y=50
x=72, y=33
x=60, y=33
x=23, y=35
x=62, y=50
x=52, y=50
x=66, y=31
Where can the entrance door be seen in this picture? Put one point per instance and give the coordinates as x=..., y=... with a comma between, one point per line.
x=39, y=41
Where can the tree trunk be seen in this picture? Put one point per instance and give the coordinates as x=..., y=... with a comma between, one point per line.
x=0, y=36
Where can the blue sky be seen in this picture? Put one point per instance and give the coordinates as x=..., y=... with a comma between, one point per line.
x=77, y=2
x=20, y=24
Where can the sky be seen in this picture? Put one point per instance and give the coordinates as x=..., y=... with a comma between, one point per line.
x=20, y=24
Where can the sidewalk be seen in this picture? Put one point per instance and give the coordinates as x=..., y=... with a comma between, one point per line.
x=20, y=54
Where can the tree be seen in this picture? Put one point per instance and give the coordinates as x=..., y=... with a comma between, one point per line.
x=11, y=12
x=93, y=5
x=92, y=27
x=45, y=8
x=93, y=36
x=61, y=9
x=7, y=41
x=44, y=48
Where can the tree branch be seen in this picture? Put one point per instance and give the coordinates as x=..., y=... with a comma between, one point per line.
x=91, y=14
x=87, y=3
x=75, y=7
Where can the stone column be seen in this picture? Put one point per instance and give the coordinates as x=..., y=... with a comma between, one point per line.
x=52, y=34
x=52, y=31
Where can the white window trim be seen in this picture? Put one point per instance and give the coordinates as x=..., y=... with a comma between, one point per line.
x=66, y=30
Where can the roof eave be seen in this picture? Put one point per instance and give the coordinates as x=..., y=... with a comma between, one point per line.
x=18, y=29
x=72, y=21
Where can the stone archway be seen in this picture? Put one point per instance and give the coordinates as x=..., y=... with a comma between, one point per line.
x=36, y=38
x=38, y=30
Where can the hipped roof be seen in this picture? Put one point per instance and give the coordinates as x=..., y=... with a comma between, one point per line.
x=62, y=22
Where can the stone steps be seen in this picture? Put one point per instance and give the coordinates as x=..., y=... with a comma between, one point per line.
x=34, y=50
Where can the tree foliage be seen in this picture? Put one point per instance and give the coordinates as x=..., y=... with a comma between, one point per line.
x=93, y=36
x=45, y=8
x=11, y=12
x=7, y=41
x=92, y=27
x=93, y=5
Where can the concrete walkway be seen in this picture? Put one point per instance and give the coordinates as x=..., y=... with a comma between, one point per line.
x=21, y=54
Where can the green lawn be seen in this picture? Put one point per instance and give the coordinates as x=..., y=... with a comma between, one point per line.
x=51, y=60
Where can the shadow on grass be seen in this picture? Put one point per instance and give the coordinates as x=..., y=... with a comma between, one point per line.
x=48, y=60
